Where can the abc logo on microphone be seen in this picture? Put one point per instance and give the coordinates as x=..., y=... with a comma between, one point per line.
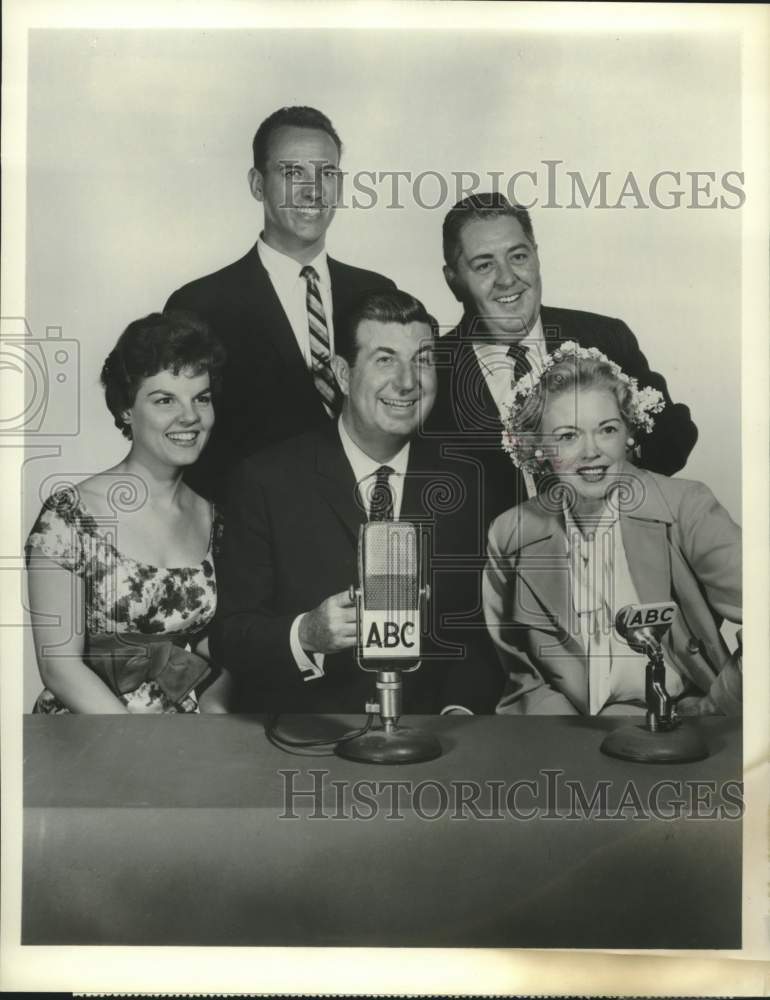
x=635, y=616
x=384, y=636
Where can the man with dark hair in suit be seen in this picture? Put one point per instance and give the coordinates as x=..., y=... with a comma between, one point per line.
x=286, y=626
x=276, y=309
x=492, y=267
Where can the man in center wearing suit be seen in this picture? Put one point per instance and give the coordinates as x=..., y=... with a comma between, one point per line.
x=285, y=626
x=492, y=267
x=276, y=309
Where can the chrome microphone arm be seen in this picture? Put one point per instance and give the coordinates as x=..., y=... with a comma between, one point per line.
x=659, y=704
x=389, y=690
x=643, y=628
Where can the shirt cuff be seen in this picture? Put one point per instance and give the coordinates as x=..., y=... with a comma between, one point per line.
x=455, y=710
x=311, y=667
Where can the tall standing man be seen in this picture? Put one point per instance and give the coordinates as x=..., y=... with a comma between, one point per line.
x=276, y=308
x=491, y=265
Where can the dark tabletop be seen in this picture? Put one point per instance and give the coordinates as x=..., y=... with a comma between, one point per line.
x=182, y=830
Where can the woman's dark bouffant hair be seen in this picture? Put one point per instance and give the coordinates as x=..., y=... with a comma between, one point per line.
x=172, y=341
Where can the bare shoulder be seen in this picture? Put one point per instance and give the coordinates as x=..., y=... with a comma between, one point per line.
x=102, y=493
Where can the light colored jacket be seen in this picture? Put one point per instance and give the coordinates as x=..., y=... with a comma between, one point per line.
x=681, y=545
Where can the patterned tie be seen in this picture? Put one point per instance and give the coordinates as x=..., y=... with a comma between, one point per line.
x=323, y=377
x=521, y=364
x=381, y=496
x=522, y=367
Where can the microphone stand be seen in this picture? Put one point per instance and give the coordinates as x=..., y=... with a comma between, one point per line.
x=390, y=743
x=663, y=739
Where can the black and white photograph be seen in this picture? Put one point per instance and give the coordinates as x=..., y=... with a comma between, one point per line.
x=384, y=427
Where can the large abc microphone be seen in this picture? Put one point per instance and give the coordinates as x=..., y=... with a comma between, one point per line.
x=391, y=603
x=390, y=597
x=662, y=739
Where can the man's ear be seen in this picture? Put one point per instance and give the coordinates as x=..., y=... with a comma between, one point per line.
x=451, y=278
x=255, y=184
x=341, y=370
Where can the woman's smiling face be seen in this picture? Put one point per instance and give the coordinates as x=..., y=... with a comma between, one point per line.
x=585, y=436
x=172, y=417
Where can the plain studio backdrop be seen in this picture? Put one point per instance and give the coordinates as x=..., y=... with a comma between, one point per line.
x=139, y=143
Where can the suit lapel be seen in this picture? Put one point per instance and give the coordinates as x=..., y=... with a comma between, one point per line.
x=646, y=547
x=336, y=482
x=424, y=473
x=553, y=329
x=645, y=537
x=267, y=312
x=412, y=506
x=339, y=288
x=471, y=396
x=543, y=565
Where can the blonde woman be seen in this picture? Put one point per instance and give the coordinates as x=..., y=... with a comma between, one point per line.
x=601, y=534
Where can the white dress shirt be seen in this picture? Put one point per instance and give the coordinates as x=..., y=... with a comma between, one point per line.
x=291, y=289
x=601, y=584
x=497, y=365
x=364, y=470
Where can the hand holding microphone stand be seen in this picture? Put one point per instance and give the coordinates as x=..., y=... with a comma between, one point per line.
x=662, y=739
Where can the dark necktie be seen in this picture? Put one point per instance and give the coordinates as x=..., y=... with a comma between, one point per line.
x=381, y=496
x=323, y=376
x=521, y=365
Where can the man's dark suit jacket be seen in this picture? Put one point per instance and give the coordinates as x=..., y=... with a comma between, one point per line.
x=268, y=393
x=290, y=542
x=465, y=413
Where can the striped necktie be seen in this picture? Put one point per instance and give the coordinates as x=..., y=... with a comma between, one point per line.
x=521, y=367
x=323, y=376
x=521, y=363
x=381, y=496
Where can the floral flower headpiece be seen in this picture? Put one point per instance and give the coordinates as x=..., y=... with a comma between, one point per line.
x=643, y=403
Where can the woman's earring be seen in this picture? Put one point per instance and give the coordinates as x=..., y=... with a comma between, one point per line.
x=630, y=442
x=539, y=454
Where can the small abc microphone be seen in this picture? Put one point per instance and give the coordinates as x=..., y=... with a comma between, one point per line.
x=662, y=739
x=391, y=602
x=644, y=625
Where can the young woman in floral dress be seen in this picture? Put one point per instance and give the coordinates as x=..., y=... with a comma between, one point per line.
x=121, y=574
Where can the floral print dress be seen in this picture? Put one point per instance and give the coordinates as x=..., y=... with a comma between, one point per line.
x=123, y=596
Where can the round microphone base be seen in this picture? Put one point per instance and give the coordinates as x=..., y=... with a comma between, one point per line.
x=673, y=746
x=400, y=746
